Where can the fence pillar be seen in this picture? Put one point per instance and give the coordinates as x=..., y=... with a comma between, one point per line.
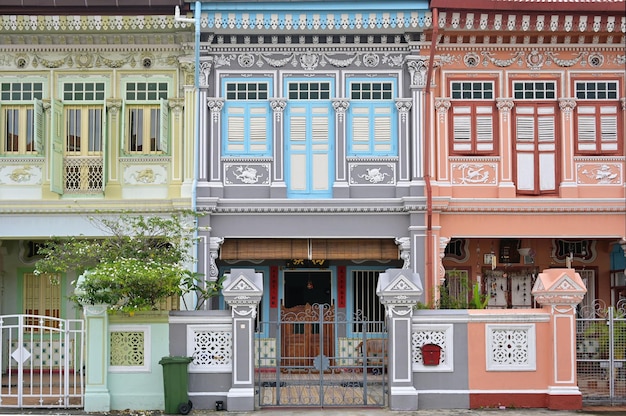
x=399, y=290
x=243, y=289
x=97, y=396
x=559, y=291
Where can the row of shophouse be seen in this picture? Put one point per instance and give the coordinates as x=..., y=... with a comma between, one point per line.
x=323, y=143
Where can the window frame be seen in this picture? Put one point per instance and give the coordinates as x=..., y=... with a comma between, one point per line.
x=369, y=115
x=247, y=119
x=151, y=107
x=606, y=113
x=541, y=99
x=475, y=110
x=23, y=101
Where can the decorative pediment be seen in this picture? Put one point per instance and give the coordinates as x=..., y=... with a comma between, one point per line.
x=399, y=286
x=243, y=286
x=559, y=287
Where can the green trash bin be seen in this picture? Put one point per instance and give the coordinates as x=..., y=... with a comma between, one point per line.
x=175, y=384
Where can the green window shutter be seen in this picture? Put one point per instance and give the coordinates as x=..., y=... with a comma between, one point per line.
x=165, y=126
x=38, y=126
x=57, y=148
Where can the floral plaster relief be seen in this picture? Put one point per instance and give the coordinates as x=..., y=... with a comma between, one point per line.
x=599, y=173
x=20, y=175
x=145, y=175
x=473, y=173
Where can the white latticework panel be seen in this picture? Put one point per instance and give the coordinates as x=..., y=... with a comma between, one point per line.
x=211, y=348
x=441, y=335
x=511, y=348
x=129, y=348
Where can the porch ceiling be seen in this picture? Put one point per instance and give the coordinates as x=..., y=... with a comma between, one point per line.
x=311, y=249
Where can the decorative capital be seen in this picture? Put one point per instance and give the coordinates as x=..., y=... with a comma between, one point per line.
x=176, y=105
x=114, y=105
x=404, y=243
x=340, y=105
x=215, y=104
x=504, y=105
x=404, y=105
x=623, y=101
x=205, y=72
x=418, y=68
x=278, y=105
x=567, y=105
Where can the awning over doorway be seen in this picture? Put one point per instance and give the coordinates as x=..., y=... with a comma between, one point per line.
x=311, y=249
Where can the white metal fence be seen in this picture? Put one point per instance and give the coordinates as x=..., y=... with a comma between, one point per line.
x=41, y=362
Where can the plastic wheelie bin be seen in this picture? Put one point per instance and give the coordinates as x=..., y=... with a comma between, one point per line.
x=175, y=384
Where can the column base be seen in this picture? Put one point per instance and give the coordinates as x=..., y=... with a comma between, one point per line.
x=403, y=398
x=240, y=400
x=97, y=401
x=564, y=398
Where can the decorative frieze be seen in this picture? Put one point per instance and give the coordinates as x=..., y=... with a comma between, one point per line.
x=372, y=174
x=474, y=173
x=246, y=173
x=602, y=173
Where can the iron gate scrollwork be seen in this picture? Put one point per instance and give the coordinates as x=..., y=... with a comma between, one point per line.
x=601, y=353
x=314, y=355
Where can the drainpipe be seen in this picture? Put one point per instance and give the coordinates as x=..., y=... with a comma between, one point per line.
x=196, y=143
x=429, y=198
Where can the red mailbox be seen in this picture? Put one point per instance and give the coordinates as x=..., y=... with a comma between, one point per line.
x=431, y=354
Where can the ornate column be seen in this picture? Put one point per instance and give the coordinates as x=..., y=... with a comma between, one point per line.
x=418, y=68
x=506, y=187
x=568, y=186
x=97, y=396
x=442, y=106
x=214, y=138
x=113, y=146
x=243, y=289
x=559, y=291
x=399, y=290
x=340, y=182
x=404, y=105
x=278, y=187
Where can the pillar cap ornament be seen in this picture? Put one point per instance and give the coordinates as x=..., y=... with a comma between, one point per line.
x=243, y=287
x=400, y=287
x=555, y=287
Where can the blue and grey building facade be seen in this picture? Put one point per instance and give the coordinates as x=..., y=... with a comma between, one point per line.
x=310, y=143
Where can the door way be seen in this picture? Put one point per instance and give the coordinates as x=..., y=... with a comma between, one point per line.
x=307, y=287
x=315, y=353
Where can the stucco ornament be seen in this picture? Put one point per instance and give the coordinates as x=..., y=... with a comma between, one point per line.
x=374, y=175
x=247, y=174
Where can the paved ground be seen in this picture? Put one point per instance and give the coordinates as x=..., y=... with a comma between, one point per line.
x=605, y=411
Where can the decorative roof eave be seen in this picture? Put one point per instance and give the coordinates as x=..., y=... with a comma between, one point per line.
x=319, y=16
x=554, y=6
x=547, y=23
x=28, y=24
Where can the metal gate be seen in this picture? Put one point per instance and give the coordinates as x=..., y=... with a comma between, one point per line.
x=42, y=361
x=600, y=352
x=315, y=356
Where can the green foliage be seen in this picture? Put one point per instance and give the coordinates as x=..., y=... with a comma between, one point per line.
x=476, y=301
x=203, y=290
x=142, y=261
x=129, y=284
